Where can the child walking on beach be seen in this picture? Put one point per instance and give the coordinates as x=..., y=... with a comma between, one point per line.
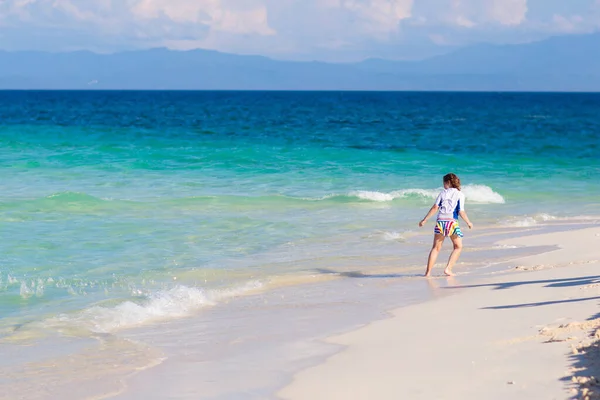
x=451, y=204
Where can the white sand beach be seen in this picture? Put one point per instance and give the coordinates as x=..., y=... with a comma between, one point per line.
x=522, y=335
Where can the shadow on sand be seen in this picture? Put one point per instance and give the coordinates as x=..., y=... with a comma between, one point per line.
x=585, y=359
x=359, y=274
x=541, y=303
x=585, y=363
x=550, y=283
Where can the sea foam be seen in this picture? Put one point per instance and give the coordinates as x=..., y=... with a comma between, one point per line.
x=176, y=302
x=474, y=193
x=528, y=221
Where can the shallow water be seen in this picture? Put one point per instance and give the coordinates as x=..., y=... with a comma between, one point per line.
x=122, y=210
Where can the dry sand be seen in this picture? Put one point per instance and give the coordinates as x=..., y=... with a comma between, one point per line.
x=523, y=335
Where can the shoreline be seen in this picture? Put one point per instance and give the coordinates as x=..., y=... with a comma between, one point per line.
x=508, y=336
x=314, y=349
x=287, y=328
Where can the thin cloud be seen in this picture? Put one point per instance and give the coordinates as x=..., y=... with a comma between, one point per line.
x=295, y=29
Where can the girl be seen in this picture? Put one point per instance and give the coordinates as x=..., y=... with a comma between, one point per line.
x=451, y=204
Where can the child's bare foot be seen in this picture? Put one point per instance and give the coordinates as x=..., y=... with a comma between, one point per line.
x=448, y=272
x=427, y=275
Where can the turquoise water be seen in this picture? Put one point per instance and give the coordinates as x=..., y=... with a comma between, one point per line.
x=120, y=207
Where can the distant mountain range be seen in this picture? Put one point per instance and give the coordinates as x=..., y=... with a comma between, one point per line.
x=564, y=63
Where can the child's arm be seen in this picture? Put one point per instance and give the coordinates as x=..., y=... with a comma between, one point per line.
x=432, y=211
x=464, y=216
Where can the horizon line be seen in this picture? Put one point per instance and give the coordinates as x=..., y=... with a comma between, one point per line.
x=466, y=91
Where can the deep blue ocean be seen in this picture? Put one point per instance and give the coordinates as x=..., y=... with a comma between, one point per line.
x=118, y=208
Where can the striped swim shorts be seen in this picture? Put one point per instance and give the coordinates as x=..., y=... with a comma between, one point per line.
x=447, y=228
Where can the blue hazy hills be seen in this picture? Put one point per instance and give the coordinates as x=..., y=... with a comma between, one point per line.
x=562, y=63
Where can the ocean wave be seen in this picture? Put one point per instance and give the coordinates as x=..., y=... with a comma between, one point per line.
x=529, y=221
x=482, y=194
x=399, y=194
x=73, y=197
x=72, y=202
x=177, y=302
x=388, y=236
x=474, y=193
x=76, y=202
x=392, y=236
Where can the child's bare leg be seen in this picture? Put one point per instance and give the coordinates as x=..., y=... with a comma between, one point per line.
x=457, y=242
x=438, y=240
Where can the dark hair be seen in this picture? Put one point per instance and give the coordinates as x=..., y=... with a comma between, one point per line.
x=452, y=180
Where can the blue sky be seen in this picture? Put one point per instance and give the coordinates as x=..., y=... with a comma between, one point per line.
x=332, y=30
